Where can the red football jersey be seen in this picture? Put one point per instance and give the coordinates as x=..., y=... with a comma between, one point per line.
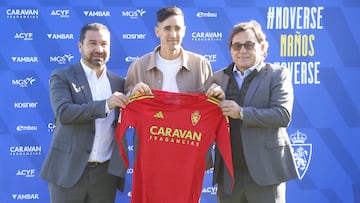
x=175, y=132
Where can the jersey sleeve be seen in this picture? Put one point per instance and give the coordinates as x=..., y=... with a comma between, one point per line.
x=224, y=145
x=129, y=117
x=121, y=128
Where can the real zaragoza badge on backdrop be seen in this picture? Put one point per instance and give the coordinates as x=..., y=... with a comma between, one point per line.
x=302, y=152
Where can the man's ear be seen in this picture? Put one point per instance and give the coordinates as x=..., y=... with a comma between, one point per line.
x=156, y=30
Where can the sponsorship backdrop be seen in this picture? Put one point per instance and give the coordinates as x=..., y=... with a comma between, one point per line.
x=318, y=40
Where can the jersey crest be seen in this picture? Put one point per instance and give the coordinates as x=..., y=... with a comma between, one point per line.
x=195, y=117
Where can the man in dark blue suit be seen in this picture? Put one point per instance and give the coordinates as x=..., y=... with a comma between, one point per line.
x=83, y=164
x=259, y=100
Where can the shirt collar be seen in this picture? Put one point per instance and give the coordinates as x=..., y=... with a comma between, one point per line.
x=183, y=55
x=257, y=66
x=88, y=71
x=246, y=72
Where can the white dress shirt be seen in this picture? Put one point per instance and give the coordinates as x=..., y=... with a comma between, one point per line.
x=100, y=90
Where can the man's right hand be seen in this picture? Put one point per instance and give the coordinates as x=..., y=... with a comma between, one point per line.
x=141, y=89
x=117, y=99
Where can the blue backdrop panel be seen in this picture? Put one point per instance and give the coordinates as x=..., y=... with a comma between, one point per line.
x=317, y=40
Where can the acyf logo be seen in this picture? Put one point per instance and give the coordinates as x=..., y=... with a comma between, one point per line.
x=27, y=173
x=210, y=190
x=302, y=152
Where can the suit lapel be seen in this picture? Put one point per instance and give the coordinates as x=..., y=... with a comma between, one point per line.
x=80, y=76
x=113, y=81
x=115, y=84
x=255, y=84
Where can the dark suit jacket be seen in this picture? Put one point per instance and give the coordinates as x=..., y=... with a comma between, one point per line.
x=267, y=112
x=75, y=113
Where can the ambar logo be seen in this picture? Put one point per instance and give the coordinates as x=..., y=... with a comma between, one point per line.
x=25, y=59
x=61, y=36
x=25, y=196
x=97, y=13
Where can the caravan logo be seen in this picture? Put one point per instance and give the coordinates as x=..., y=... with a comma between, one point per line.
x=25, y=150
x=302, y=152
x=206, y=36
x=51, y=127
x=22, y=13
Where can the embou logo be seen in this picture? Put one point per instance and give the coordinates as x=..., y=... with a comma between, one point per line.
x=302, y=152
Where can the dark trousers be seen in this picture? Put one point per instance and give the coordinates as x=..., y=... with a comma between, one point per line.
x=94, y=186
x=247, y=191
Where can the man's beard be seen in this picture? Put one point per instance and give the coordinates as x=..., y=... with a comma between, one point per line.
x=96, y=63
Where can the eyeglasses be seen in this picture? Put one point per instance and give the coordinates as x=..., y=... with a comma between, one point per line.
x=248, y=46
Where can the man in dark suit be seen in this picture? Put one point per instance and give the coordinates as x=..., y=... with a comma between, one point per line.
x=83, y=164
x=259, y=100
